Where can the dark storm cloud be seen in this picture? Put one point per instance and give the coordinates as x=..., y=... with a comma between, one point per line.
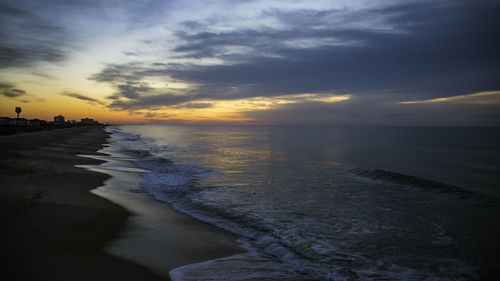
x=131, y=91
x=149, y=102
x=10, y=91
x=83, y=97
x=195, y=105
x=126, y=80
x=434, y=50
x=212, y=44
x=303, y=24
x=117, y=73
x=43, y=75
x=420, y=51
x=35, y=31
x=5, y=85
x=132, y=94
x=26, y=38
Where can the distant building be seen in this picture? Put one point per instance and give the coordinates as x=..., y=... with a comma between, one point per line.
x=88, y=121
x=16, y=121
x=59, y=120
x=19, y=122
x=5, y=121
x=34, y=122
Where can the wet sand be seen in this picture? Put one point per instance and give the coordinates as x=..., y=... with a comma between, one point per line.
x=156, y=236
x=53, y=228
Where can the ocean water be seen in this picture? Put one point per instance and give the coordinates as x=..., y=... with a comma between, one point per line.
x=325, y=203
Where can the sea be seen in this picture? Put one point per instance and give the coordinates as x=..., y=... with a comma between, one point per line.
x=331, y=203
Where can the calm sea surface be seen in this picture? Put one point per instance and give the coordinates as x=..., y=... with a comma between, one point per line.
x=324, y=203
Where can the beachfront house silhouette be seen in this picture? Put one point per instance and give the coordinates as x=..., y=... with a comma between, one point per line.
x=18, y=110
x=59, y=119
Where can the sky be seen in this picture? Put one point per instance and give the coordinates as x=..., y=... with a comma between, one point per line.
x=346, y=63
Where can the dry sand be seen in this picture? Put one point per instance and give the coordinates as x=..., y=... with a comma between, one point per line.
x=52, y=227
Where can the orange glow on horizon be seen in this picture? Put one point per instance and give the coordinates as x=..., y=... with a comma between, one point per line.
x=210, y=111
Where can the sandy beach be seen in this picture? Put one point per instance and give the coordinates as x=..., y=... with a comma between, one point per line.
x=53, y=228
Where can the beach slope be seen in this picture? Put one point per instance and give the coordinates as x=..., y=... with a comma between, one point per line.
x=52, y=228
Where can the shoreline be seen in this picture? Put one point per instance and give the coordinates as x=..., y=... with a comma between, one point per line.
x=156, y=235
x=72, y=209
x=53, y=228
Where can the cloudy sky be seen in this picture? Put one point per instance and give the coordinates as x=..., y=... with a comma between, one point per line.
x=356, y=62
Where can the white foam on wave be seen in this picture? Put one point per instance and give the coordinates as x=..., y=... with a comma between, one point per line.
x=251, y=265
x=114, y=168
x=176, y=185
x=270, y=251
x=119, y=135
x=106, y=157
